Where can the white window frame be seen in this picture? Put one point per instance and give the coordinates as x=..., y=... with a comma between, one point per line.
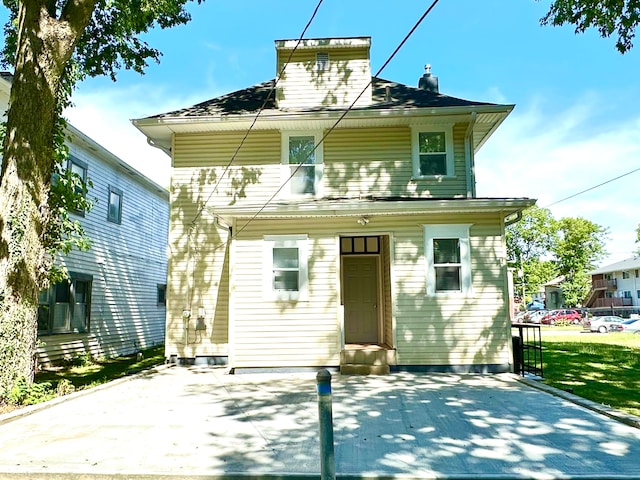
x=319, y=161
x=322, y=62
x=448, y=231
x=285, y=241
x=415, y=150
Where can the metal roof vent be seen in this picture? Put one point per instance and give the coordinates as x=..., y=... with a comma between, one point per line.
x=428, y=82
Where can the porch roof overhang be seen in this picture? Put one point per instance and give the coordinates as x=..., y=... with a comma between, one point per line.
x=357, y=207
x=160, y=130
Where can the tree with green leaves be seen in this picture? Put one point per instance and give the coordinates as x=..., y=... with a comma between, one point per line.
x=580, y=245
x=529, y=243
x=51, y=45
x=619, y=18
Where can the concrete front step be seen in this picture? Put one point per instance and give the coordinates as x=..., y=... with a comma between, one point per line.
x=373, y=355
x=360, y=369
x=366, y=360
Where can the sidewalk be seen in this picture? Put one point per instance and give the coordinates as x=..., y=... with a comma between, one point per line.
x=200, y=423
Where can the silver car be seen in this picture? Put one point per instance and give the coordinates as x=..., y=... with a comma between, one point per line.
x=608, y=323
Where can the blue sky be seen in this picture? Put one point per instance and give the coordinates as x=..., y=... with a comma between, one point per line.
x=576, y=123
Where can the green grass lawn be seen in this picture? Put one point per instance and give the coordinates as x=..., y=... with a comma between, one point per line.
x=94, y=373
x=604, y=368
x=86, y=373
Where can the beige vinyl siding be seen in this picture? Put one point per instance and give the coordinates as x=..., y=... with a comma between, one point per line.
x=200, y=161
x=453, y=330
x=270, y=332
x=198, y=278
x=377, y=161
x=127, y=262
x=302, y=86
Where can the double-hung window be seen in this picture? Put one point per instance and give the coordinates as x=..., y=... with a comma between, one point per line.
x=285, y=267
x=302, y=162
x=65, y=307
x=79, y=168
x=432, y=151
x=115, y=205
x=448, y=259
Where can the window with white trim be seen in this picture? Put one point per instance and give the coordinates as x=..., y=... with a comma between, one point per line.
x=432, y=151
x=322, y=62
x=625, y=275
x=302, y=162
x=285, y=267
x=448, y=259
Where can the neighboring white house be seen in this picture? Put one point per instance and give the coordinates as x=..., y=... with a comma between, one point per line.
x=114, y=303
x=617, y=285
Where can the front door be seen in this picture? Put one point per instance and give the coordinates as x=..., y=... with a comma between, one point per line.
x=360, y=296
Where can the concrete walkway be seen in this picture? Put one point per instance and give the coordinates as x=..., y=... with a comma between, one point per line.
x=200, y=423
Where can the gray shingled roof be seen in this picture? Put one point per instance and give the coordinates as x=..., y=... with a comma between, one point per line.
x=251, y=99
x=623, y=265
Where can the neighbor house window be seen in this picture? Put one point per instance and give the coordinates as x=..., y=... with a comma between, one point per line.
x=65, y=307
x=627, y=294
x=115, y=205
x=161, y=295
x=302, y=162
x=638, y=293
x=448, y=259
x=80, y=169
x=625, y=275
x=322, y=62
x=432, y=151
x=285, y=267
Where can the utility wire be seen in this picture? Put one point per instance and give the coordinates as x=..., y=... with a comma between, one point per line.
x=594, y=187
x=300, y=165
x=255, y=119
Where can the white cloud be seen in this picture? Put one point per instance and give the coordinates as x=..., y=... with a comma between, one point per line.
x=549, y=156
x=105, y=116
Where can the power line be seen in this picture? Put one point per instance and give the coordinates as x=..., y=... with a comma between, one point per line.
x=594, y=187
x=255, y=119
x=299, y=166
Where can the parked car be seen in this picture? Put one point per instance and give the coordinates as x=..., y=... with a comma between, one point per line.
x=554, y=316
x=631, y=326
x=608, y=323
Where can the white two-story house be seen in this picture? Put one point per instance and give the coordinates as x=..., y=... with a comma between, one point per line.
x=328, y=218
x=114, y=301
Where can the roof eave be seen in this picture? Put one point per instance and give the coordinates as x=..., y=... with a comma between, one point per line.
x=355, y=207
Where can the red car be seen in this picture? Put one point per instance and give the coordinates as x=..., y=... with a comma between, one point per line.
x=554, y=316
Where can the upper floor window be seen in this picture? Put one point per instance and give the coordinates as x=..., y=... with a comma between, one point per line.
x=115, y=205
x=79, y=168
x=322, y=62
x=448, y=259
x=432, y=151
x=303, y=162
x=285, y=267
x=625, y=275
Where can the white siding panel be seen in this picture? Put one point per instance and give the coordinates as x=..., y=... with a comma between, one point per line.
x=127, y=262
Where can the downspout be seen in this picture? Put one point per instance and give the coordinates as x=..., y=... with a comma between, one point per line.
x=469, y=157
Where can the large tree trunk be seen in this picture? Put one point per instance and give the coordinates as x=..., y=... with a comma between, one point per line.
x=44, y=46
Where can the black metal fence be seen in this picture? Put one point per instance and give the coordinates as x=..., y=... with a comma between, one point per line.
x=527, y=349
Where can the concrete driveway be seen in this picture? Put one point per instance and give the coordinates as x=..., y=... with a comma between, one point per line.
x=200, y=423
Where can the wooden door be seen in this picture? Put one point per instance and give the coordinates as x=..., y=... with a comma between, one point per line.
x=360, y=296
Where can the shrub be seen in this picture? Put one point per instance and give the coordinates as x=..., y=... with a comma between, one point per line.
x=23, y=393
